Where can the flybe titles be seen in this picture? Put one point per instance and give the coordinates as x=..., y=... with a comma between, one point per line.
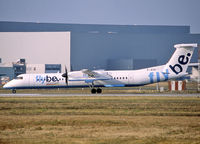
x=46, y=78
x=182, y=60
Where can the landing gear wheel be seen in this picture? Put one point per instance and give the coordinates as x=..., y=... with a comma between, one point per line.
x=93, y=91
x=99, y=90
x=13, y=91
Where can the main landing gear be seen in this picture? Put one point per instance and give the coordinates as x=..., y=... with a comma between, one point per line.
x=98, y=90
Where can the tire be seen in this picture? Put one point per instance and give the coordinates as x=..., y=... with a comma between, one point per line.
x=13, y=91
x=99, y=90
x=93, y=91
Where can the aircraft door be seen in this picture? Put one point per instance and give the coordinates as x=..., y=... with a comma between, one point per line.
x=23, y=80
x=130, y=78
x=28, y=80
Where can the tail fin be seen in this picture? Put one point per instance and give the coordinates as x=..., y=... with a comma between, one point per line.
x=178, y=63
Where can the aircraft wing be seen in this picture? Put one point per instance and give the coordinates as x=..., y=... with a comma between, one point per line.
x=90, y=74
x=101, y=75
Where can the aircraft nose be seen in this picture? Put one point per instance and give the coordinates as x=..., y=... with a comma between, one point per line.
x=7, y=85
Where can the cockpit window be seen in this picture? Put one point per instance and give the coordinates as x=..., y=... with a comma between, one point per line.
x=19, y=78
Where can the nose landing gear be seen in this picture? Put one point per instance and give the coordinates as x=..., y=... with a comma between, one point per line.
x=13, y=91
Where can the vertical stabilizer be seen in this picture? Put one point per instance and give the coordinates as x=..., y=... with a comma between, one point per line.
x=178, y=63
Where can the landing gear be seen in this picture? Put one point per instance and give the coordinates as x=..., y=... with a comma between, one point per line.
x=13, y=91
x=99, y=90
x=93, y=90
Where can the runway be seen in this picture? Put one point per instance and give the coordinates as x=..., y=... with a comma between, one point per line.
x=68, y=95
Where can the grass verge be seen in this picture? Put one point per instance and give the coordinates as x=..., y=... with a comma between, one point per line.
x=102, y=120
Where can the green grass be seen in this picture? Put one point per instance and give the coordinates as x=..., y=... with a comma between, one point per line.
x=100, y=120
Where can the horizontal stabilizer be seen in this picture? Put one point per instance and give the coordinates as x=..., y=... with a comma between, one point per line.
x=192, y=45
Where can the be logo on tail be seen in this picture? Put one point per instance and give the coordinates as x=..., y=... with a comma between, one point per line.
x=182, y=60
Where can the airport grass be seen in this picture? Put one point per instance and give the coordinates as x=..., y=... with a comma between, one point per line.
x=100, y=120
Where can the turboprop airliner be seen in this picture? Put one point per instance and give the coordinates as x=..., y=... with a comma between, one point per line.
x=176, y=67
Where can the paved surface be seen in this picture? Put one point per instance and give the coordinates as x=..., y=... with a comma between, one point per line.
x=63, y=95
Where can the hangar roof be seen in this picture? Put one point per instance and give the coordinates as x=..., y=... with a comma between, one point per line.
x=93, y=28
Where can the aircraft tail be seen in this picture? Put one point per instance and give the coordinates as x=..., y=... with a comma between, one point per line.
x=178, y=63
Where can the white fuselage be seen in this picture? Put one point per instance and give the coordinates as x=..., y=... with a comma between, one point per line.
x=79, y=79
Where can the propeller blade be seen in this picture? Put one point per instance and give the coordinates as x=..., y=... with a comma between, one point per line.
x=65, y=75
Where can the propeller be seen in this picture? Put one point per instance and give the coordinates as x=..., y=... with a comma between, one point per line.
x=65, y=75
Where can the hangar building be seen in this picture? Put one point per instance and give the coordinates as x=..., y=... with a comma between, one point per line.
x=110, y=47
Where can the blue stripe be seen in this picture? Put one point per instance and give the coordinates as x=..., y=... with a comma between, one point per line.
x=158, y=76
x=78, y=86
x=118, y=85
x=48, y=87
x=151, y=77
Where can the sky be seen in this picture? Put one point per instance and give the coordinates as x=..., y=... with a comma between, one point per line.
x=118, y=12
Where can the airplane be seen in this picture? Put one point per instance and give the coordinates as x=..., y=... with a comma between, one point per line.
x=176, y=67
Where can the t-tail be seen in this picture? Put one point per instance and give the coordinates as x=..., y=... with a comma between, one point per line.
x=178, y=63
